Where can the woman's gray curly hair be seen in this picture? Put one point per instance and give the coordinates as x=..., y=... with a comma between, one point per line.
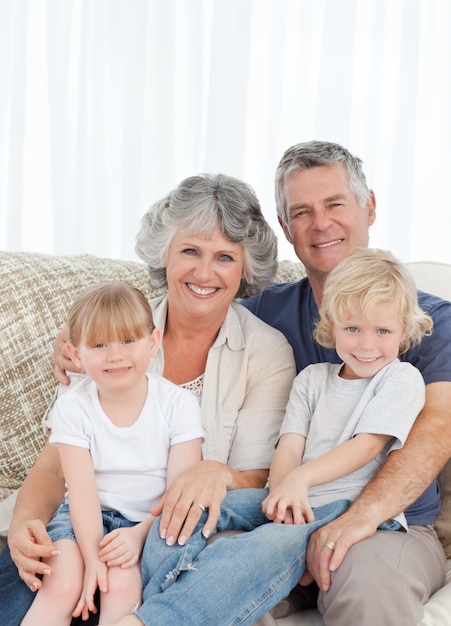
x=199, y=205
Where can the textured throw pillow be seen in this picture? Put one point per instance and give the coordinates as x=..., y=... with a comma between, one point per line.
x=35, y=293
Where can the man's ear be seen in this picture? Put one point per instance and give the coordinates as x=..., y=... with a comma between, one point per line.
x=371, y=208
x=286, y=230
x=74, y=355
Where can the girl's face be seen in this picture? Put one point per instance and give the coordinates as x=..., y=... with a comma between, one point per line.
x=117, y=365
x=366, y=346
x=203, y=274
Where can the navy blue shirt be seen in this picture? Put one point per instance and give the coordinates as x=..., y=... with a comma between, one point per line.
x=291, y=308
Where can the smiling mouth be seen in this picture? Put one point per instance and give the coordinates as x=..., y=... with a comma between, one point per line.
x=202, y=291
x=328, y=244
x=118, y=370
x=366, y=360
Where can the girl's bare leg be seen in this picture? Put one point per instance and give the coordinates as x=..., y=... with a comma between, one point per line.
x=60, y=592
x=124, y=595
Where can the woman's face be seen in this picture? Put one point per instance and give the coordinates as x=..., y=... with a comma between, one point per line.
x=203, y=273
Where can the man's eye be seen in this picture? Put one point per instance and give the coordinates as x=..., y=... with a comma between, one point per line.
x=299, y=213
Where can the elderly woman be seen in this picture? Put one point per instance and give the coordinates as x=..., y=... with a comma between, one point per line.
x=208, y=242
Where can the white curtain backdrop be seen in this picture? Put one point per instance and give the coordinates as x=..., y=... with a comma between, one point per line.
x=107, y=104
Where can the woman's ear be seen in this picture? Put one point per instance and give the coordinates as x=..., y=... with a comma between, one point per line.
x=74, y=354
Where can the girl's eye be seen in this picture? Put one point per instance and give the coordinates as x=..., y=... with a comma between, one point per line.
x=127, y=341
x=383, y=331
x=100, y=345
x=352, y=329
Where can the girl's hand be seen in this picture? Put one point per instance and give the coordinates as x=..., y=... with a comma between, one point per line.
x=123, y=546
x=96, y=575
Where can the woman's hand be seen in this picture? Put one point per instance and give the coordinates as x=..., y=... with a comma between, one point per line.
x=29, y=543
x=61, y=360
x=205, y=484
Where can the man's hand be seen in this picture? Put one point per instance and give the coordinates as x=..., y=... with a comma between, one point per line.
x=328, y=546
x=28, y=543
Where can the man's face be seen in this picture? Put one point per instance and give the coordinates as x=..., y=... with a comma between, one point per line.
x=325, y=221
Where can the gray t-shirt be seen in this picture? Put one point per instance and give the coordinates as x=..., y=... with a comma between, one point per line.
x=329, y=410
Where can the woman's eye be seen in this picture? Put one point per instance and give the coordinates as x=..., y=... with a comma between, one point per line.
x=225, y=257
x=189, y=251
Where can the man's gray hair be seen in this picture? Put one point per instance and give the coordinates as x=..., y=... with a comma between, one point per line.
x=303, y=156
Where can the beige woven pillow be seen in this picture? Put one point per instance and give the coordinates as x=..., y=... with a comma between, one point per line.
x=35, y=293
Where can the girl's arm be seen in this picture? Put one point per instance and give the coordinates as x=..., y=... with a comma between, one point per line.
x=342, y=460
x=86, y=517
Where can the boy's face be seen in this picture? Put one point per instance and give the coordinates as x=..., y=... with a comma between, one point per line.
x=366, y=346
x=119, y=364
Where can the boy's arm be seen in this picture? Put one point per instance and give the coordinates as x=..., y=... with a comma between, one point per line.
x=287, y=457
x=393, y=489
x=292, y=491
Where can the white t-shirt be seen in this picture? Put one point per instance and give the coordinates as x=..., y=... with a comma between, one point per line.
x=130, y=462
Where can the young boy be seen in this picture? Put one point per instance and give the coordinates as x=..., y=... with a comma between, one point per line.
x=123, y=435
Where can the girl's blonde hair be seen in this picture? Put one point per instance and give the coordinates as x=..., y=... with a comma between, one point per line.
x=366, y=278
x=109, y=311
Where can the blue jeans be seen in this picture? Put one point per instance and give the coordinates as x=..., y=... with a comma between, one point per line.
x=15, y=597
x=233, y=580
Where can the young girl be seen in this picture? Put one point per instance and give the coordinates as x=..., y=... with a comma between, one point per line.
x=123, y=435
x=341, y=421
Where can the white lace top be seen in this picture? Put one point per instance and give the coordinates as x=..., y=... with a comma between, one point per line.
x=196, y=386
